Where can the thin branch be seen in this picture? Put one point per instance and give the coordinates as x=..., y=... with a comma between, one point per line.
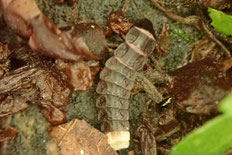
x=149, y=88
x=125, y=5
x=67, y=132
x=191, y=20
x=212, y=37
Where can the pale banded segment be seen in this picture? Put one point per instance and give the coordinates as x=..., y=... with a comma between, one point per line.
x=113, y=64
x=109, y=126
x=118, y=139
x=110, y=101
x=116, y=78
x=130, y=57
x=113, y=114
x=104, y=87
x=141, y=39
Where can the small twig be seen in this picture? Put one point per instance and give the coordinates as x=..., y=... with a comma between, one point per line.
x=159, y=71
x=191, y=20
x=74, y=13
x=149, y=88
x=168, y=134
x=125, y=5
x=195, y=21
x=212, y=37
x=67, y=132
x=221, y=37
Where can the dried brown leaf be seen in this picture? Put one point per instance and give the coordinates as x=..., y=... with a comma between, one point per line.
x=77, y=137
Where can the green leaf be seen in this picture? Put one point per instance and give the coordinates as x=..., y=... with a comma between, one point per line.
x=221, y=21
x=213, y=138
x=226, y=104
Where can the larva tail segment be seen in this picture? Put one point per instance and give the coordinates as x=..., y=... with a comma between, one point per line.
x=118, y=139
x=117, y=81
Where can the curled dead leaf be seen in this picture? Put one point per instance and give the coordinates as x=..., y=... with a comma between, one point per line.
x=202, y=48
x=225, y=65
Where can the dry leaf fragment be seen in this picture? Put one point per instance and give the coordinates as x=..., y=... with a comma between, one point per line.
x=7, y=134
x=77, y=74
x=224, y=65
x=164, y=40
x=79, y=138
x=131, y=153
x=202, y=49
x=199, y=86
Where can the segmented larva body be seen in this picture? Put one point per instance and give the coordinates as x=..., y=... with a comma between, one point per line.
x=118, y=77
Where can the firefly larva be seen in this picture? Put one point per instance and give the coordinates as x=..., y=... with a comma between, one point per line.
x=118, y=77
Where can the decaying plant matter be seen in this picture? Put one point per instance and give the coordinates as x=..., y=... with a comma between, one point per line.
x=144, y=134
x=7, y=134
x=4, y=61
x=78, y=75
x=193, y=96
x=25, y=18
x=196, y=21
x=217, y=4
x=21, y=87
x=45, y=85
x=70, y=44
x=163, y=40
x=44, y=37
x=206, y=86
x=48, y=82
x=28, y=78
x=117, y=21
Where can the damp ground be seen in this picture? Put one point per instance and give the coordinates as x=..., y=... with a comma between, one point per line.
x=33, y=138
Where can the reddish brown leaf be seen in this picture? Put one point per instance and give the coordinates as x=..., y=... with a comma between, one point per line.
x=118, y=23
x=78, y=75
x=199, y=86
x=7, y=134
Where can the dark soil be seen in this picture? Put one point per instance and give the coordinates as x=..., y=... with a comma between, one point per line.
x=179, y=113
